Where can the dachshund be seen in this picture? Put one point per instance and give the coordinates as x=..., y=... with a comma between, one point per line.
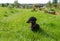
x=34, y=26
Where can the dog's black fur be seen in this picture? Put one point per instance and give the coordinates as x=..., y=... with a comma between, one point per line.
x=34, y=26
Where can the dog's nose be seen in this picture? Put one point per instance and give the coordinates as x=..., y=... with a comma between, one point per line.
x=27, y=22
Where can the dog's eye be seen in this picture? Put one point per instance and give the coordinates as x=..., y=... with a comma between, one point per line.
x=30, y=21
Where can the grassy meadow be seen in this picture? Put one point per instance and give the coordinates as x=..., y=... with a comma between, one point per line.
x=13, y=26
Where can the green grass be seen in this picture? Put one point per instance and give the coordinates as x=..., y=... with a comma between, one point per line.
x=14, y=26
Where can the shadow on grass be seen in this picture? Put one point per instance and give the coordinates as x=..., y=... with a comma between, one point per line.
x=46, y=34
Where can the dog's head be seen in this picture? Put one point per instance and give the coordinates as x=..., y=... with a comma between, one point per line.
x=31, y=20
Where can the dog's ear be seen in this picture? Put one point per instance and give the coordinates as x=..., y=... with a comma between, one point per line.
x=35, y=19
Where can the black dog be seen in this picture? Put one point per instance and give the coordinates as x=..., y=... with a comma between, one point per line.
x=34, y=26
